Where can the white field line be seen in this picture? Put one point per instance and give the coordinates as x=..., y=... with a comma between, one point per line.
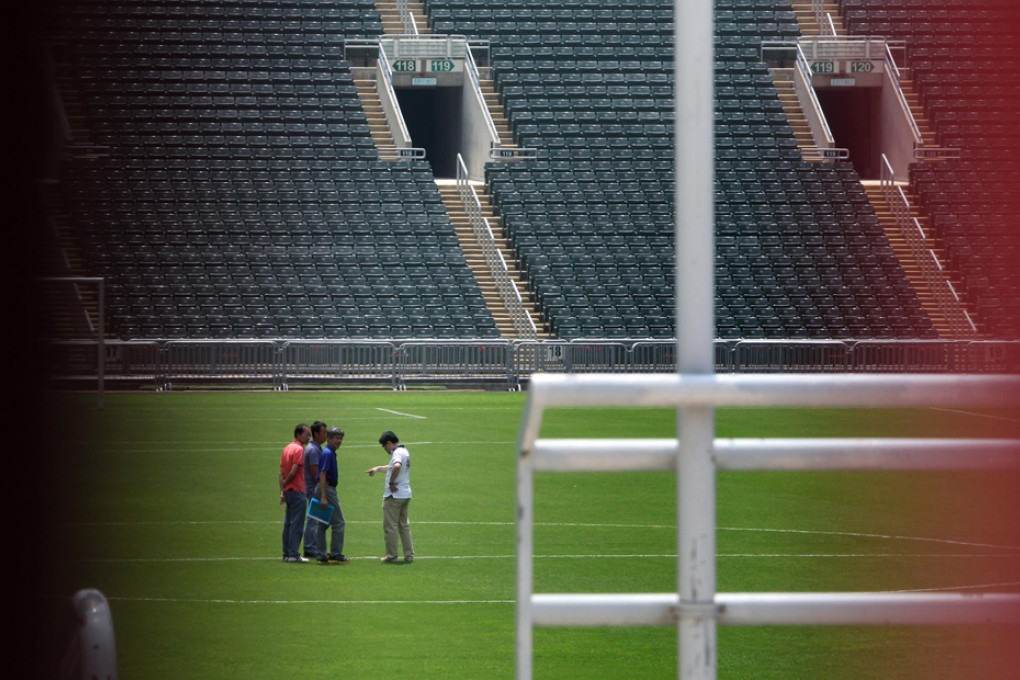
x=977, y=415
x=403, y=415
x=672, y=556
x=579, y=525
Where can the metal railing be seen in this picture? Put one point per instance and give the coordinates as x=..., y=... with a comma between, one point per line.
x=284, y=364
x=947, y=299
x=407, y=21
x=702, y=457
x=893, y=72
x=475, y=80
x=806, y=93
x=394, y=116
x=98, y=330
x=524, y=325
x=424, y=45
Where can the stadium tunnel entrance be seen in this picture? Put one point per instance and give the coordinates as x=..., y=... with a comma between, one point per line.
x=854, y=117
x=434, y=121
x=870, y=120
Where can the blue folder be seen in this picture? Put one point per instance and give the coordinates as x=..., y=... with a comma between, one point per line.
x=319, y=512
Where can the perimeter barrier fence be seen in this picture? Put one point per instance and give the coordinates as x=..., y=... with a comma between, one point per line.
x=498, y=364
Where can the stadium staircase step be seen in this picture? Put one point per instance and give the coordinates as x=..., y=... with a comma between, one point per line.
x=476, y=259
x=72, y=310
x=391, y=21
x=808, y=21
x=783, y=79
x=81, y=143
x=494, y=102
x=906, y=257
x=916, y=108
x=368, y=93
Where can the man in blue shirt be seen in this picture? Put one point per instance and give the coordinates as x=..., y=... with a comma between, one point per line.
x=311, y=469
x=328, y=478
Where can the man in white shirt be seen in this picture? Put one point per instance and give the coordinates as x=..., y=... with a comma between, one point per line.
x=396, y=497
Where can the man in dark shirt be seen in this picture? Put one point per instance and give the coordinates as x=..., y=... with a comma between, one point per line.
x=329, y=477
x=311, y=470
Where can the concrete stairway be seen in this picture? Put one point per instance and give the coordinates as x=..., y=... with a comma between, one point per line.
x=914, y=101
x=368, y=93
x=496, y=109
x=808, y=22
x=783, y=79
x=72, y=309
x=476, y=258
x=906, y=257
x=392, y=24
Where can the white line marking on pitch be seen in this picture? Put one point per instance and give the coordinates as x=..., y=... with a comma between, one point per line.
x=672, y=556
x=852, y=534
x=976, y=415
x=398, y=413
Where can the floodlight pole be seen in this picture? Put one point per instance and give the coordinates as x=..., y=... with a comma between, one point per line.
x=694, y=76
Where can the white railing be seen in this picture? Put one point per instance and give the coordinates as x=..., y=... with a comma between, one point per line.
x=512, y=153
x=99, y=330
x=935, y=153
x=695, y=609
x=813, y=108
x=474, y=78
x=689, y=455
x=866, y=48
x=394, y=116
x=893, y=72
x=946, y=298
x=424, y=45
x=407, y=21
x=524, y=325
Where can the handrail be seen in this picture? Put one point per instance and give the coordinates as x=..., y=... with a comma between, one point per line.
x=391, y=95
x=814, y=153
x=58, y=101
x=894, y=75
x=831, y=25
x=424, y=45
x=818, y=8
x=524, y=325
x=407, y=21
x=476, y=87
x=930, y=153
x=947, y=300
x=512, y=153
x=805, y=73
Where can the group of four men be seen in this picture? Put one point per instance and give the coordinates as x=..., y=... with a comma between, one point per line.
x=309, y=470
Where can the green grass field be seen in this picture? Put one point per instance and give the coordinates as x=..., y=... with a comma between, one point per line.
x=176, y=521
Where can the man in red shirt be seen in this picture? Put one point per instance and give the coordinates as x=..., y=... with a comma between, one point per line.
x=292, y=493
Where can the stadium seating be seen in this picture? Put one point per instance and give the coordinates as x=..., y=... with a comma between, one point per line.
x=592, y=91
x=962, y=57
x=239, y=193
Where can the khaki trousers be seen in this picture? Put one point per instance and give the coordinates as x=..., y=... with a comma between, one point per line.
x=395, y=523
